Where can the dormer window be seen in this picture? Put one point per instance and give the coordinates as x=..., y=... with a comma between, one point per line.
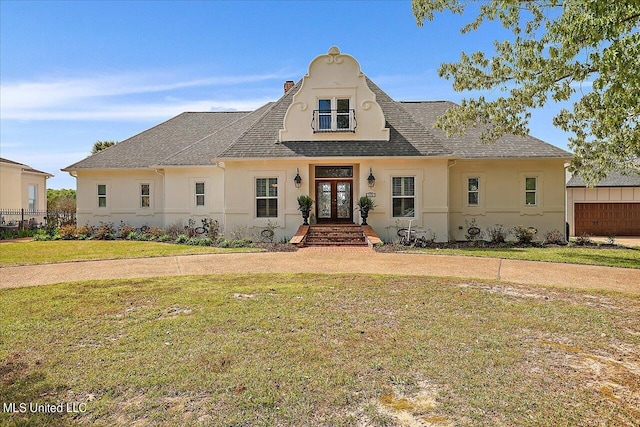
x=334, y=115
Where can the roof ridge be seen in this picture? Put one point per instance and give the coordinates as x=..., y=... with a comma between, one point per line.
x=288, y=94
x=211, y=134
x=124, y=141
x=408, y=115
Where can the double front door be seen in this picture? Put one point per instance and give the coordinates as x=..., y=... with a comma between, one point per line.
x=334, y=201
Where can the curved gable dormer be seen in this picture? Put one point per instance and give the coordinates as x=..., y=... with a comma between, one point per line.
x=334, y=103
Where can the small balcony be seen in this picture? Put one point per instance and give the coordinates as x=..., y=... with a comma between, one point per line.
x=332, y=121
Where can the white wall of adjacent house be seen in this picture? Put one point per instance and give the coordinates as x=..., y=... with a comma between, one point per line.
x=10, y=186
x=528, y=193
x=18, y=188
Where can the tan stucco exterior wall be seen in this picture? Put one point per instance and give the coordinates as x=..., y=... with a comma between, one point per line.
x=14, y=187
x=230, y=195
x=431, y=193
x=502, y=195
x=122, y=197
x=597, y=195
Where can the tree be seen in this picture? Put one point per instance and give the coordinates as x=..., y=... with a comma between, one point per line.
x=558, y=47
x=101, y=145
x=63, y=200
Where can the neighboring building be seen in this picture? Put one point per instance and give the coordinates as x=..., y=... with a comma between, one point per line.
x=22, y=187
x=610, y=208
x=334, y=129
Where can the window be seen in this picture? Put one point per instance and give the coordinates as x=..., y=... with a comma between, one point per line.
x=334, y=115
x=324, y=114
x=267, y=197
x=473, y=191
x=199, y=193
x=102, y=195
x=531, y=191
x=145, y=195
x=403, y=196
x=33, y=195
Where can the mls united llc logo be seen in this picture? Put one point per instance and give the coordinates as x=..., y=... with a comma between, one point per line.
x=44, y=408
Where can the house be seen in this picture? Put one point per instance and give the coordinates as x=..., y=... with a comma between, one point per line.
x=22, y=187
x=333, y=135
x=610, y=208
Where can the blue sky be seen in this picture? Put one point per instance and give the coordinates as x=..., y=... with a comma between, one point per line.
x=76, y=72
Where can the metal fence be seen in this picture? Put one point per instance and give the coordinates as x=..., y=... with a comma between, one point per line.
x=22, y=219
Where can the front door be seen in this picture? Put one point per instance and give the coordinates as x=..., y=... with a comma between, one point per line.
x=334, y=201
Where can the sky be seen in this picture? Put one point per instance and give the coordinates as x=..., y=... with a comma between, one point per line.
x=76, y=72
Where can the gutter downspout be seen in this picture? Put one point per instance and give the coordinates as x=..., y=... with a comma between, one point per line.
x=222, y=166
x=164, y=191
x=451, y=164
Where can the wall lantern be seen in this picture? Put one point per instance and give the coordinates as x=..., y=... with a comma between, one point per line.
x=298, y=179
x=372, y=179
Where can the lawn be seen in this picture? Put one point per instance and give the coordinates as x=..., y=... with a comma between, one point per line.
x=41, y=252
x=612, y=257
x=294, y=350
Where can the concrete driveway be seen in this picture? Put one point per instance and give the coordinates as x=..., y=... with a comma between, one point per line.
x=331, y=262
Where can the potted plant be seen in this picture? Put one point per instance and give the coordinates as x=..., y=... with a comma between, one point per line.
x=304, y=206
x=364, y=205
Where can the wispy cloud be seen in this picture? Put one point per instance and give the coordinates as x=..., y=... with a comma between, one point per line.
x=118, y=97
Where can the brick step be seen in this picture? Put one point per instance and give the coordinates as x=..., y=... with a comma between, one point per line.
x=334, y=243
x=338, y=239
x=336, y=234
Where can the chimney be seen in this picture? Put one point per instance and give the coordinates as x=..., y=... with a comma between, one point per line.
x=288, y=85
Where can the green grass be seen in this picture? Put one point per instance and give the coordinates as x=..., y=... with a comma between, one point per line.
x=296, y=350
x=611, y=257
x=42, y=252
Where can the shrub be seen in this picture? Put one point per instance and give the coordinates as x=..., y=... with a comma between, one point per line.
x=205, y=241
x=105, y=231
x=155, y=232
x=125, y=230
x=181, y=239
x=241, y=243
x=497, y=233
x=224, y=243
x=554, y=237
x=524, y=234
x=175, y=229
x=67, y=232
x=84, y=231
x=41, y=235
x=165, y=238
x=584, y=240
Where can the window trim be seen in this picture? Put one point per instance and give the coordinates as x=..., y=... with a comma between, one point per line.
x=267, y=197
x=104, y=196
x=528, y=191
x=402, y=195
x=203, y=194
x=32, y=203
x=476, y=191
x=143, y=196
x=334, y=114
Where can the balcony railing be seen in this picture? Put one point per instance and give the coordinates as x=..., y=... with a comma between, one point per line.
x=331, y=121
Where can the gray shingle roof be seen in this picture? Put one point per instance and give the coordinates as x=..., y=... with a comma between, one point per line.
x=469, y=146
x=614, y=179
x=25, y=168
x=199, y=138
x=154, y=145
x=407, y=137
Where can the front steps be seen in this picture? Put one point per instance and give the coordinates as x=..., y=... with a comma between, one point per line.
x=335, y=235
